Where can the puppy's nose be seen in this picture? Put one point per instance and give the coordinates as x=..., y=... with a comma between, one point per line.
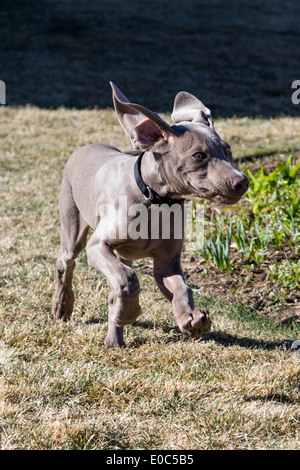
x=240, y=184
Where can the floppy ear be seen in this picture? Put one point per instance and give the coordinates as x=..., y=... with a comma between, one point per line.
x=188, y=108
x=144, y=127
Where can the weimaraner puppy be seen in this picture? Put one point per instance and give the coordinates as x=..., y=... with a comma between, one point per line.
x=184, y=160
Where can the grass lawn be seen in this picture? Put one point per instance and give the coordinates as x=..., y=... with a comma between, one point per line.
x=236, y=388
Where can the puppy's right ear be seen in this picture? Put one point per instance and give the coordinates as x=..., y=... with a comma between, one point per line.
x=188, y=108
x=144, y=128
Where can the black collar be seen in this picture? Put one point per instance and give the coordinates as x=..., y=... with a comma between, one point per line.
x=150, y=194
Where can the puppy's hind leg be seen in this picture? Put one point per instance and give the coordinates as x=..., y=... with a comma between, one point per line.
x=74, y=232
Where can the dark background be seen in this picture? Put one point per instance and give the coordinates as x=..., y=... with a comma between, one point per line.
x=239, y=57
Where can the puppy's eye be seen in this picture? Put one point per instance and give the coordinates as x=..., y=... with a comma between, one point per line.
x=228, y=151
x=199, y=156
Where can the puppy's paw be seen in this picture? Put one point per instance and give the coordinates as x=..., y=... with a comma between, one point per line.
x=195, y=323
x=62, y=306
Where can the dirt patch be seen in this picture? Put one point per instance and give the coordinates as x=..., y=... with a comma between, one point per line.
x=252, y=286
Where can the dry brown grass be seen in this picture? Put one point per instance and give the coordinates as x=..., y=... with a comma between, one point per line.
x=237, y=388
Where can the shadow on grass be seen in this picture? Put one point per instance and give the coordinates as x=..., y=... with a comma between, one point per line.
x=277, y=398
x=95, y=321
x=226, y=340
x=218, y=337
x=254, y=157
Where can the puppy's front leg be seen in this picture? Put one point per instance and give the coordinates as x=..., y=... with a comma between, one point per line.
x=169, y=277
x=123, y=302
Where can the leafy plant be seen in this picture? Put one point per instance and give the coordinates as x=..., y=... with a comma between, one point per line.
x=266, y=222
x=219, y=248
x=287, y=274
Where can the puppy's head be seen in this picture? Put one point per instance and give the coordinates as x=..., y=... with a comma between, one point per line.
x=194, y=159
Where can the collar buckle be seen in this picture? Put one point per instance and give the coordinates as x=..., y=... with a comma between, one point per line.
x=150, y=196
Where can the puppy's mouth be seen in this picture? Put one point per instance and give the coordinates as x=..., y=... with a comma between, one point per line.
x=219, y=197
